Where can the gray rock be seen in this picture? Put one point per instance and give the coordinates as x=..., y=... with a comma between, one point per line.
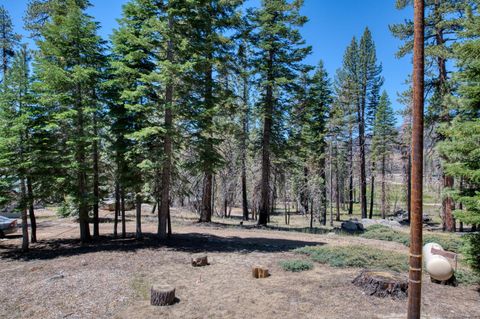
x=352, y=225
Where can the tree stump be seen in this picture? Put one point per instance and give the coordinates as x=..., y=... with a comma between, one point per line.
x=382, y=283
x=260, y=272
x=199, y=261
x=162, y=295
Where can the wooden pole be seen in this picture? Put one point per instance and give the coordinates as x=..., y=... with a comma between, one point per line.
x=415, y=273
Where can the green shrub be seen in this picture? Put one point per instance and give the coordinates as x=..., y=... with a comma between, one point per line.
x=467, y=277
x=381, y=232
x=448, y=241
x=68, y=208
x=296, y=265
x=357, y=256
x=471, y=251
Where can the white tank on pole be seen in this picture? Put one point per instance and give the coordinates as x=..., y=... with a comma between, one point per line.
x=436, y=265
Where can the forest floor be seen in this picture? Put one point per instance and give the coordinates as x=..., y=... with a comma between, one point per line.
x=111, y=278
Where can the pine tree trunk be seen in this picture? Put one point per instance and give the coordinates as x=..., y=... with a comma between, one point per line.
x=169, y=223
x=117, y=209
x=323, y=176
x=372, y=191
x=23, y=208
x=337, y=187
x=331, y=186
x=409, y=187
x=206, y=209
x=244, y=135
x=167, y=148
x=361, y=144
x=81, y=173
x=138, y=217
x=267, y=128
x=31, y=208
x=122, y=208
x=448, y=206
x=208, y=171
x=384, y=190
x=96, y=183
x=350, y=177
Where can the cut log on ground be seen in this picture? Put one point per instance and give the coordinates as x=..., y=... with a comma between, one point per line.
x=199, y=261
x=260, y=272
x=382, y=284
x=162, y=295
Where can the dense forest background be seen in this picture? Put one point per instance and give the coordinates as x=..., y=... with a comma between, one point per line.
x=210, y=105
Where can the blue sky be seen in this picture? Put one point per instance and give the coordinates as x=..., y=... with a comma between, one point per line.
x=331, y=26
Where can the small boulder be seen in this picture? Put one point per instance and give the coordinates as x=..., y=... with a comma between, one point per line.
x=352, y=225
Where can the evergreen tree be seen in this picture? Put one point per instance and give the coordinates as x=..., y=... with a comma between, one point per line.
x=460, y=149
x=369, y=81
x=16, y=125
x=211, y=50
x=383, y=142
x=442, y=22
x=8, y=40
x=69, y=67
x=280, y=50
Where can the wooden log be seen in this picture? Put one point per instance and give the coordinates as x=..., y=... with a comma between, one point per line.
x=199, y=261
x=260, y=272
x=162, y=295
x=382, y=284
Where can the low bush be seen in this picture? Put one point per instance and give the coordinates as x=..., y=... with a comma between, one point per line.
x=296, y=265
x=68, y=208
x=471, y=251
x=450, y=242
x=467, y=277
x=356, y=256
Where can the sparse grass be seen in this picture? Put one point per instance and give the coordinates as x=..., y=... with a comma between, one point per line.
x=356, y=256
x=449, y=242
x=296, y=265
x=140, y=286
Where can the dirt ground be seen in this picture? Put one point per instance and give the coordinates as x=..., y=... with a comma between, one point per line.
x=60, y=278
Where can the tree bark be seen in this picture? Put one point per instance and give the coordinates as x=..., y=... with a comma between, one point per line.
x=96, y=183
x=162, y=295
x=138, y=217
x=372, y=191
x=31, y=208
x=81, y=173
x=122, y=208
x=382, y=284
x=243, y=56
x=267, y=128
x=361, y=144
x=384, y=190
x=206, y=209
x=23, y=208
x=350, y=175
x=167, y=148
x=117, y=209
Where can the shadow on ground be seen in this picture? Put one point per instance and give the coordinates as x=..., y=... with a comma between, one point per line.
x=194, y=242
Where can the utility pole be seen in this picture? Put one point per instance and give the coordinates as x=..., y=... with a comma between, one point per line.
x=416, y=223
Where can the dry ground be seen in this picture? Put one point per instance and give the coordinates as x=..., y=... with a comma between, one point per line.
x=112, y=278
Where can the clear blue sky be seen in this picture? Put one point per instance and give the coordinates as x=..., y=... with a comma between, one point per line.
x=332, y=24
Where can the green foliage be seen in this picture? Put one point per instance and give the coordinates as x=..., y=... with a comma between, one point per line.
x=68, y=208
x=460, y=150
x=450, y=242
x=356, y=256
x=296, y=265
x=467, y=277
x=384, y=131
x=471, y=251
x=8, y=40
